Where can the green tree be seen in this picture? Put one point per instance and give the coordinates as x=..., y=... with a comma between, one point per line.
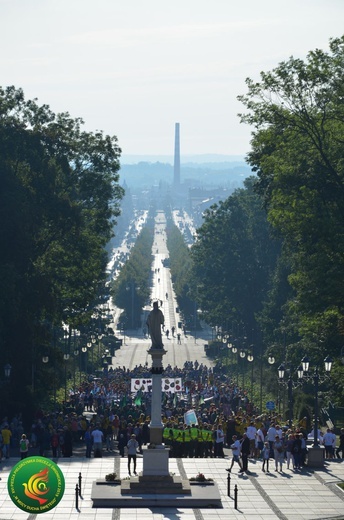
x=58, y=200
x=131, y=289
x=180, y=264
x=233, y=259
x=297, y=113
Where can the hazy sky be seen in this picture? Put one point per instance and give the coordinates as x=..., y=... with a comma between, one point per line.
x=135, y=67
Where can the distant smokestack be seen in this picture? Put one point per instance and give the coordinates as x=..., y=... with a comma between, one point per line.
x=176, y=177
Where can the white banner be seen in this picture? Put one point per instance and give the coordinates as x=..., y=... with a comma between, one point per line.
x=190, y=418
x=168, y=384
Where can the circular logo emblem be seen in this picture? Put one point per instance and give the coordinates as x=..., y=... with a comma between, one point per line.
x=36, y=485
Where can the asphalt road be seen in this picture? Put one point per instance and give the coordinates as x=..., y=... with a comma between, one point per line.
x=135, y=346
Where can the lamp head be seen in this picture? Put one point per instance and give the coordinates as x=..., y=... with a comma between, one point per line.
x=7, y=369
x=328, y=364
x=305, y=363
x=281, y=371
x=300, y=372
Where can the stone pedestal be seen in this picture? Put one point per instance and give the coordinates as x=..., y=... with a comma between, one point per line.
x=155, y=435
x=316, y=456
x=155, y=461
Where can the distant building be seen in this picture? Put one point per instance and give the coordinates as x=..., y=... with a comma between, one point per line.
x=176, y=166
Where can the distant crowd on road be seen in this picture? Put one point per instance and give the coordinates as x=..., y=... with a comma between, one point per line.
x=223, y=415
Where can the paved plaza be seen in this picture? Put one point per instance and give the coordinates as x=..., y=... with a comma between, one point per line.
x=305, y=495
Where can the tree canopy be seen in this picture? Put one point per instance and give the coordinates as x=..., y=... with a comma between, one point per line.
x=233, y=259
x=180, y=265
x=297, y=115
x=58, y=200
x=131, y=289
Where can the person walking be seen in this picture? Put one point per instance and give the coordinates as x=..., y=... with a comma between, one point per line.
x=24, y=447
x=289, y=450
x=89, y=442
x=6, y=441
x=296, y=450
x=266, y=456
x=122, y=442
x=109, y=437
x=278, y=448
x=260, y=440
x=328, y=443
x=68, y=442
x=98, y=438
x=341, y=444
x=235, y=447
x=219, y=441
x=251, y=434
x=54, y=442
x=245, y=452
x=270, y=437
x=132, y=447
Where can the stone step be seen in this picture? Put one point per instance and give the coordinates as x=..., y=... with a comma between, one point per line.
x=135, y=486
x=156, y=479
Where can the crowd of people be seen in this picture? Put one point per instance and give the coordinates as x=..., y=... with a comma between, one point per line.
x=102, y=414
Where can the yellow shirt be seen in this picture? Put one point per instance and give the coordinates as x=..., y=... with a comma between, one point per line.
x=6, y=435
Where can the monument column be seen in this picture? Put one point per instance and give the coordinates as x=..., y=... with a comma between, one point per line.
x=176, y=166
x=156, y=424
x=155, y=457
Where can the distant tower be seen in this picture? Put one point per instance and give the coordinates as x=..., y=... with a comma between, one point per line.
x=176, y=177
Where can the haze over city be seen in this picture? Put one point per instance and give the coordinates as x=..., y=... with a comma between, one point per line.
x=132, y=69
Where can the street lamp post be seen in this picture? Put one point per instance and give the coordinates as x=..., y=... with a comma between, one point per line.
x=271, y=361
x=229, y=347
x=76, y=353
x=45, y=360
x=290, y=401
x=235, y=351
x=250, y=358
x=290, y=384
x=84, y=351
x=94, y=340
x=89, y=346
x=65, y=358
x=242, y=355
x=315, y=452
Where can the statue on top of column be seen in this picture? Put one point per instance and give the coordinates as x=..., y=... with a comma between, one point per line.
x=155, y=321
